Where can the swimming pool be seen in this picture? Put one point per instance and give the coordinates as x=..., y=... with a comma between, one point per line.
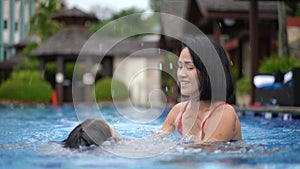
x=28, y=135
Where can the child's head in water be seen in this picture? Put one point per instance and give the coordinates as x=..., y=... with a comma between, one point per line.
x=90, y=132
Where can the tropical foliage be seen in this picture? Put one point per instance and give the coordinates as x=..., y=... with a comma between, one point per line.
x=155, y=5
x=41, y=24
x=27, y=64
x=50, y=71
x=168, y=81
x=138, y=22
x=243, y=85
x=278, y=63
x=107, y=89
x=26, y=86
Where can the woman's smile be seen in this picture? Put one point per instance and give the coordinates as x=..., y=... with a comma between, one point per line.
x=184, y=83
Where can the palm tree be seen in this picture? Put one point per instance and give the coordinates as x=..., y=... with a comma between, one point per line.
x=41, y=24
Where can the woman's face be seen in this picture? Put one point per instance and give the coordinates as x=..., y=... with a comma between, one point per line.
x=188, y=74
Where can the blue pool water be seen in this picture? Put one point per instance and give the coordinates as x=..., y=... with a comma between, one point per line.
x=28, y=136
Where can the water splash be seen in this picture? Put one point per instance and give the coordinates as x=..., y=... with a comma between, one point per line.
x=160, y=66
x=151, y=145
x=171, y=65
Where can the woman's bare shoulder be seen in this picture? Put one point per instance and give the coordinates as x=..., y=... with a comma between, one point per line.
x=176, y=109
x=224, y=111
x=229, y=107
x=179, y=106
x=227, y=112
x=221, y=106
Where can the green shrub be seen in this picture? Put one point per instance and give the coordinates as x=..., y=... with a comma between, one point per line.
x=26, y=86
x=27, y=64
x=106, y=87
x=26, y=76
x=234, y=72
x=243, y=85
x=168, y=82
x=69, y=69
x=50, y=70
x=276, y=63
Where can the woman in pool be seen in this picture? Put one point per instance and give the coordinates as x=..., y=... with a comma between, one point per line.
x=206, y=118
x=88, y=133
x=203, y=117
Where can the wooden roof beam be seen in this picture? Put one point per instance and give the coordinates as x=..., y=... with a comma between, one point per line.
x=239, y=15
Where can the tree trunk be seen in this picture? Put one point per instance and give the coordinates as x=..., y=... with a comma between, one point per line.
x=283, y=47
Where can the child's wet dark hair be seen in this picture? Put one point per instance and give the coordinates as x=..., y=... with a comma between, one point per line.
x=90, y=132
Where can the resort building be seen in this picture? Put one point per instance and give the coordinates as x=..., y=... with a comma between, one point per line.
x=134, y=61
x=14, y=24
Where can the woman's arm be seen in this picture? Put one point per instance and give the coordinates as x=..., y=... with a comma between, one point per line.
x=169, y=123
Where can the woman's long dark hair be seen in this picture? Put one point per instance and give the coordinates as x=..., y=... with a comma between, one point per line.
x=90, y=132
x=204, y=48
